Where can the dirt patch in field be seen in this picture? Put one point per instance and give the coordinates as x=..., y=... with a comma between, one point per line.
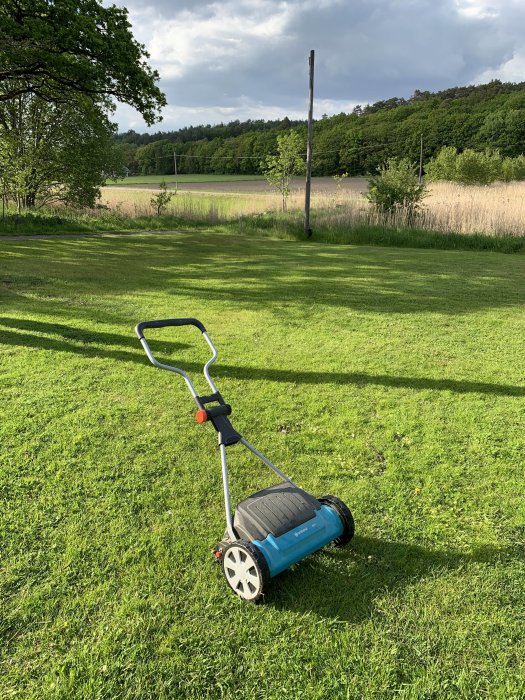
x=325, y=185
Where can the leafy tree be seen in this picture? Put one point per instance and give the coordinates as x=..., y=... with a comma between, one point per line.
x=513, y=169
x=474, y=168
x=161, y=200
x=56, y=49
x=396, y=187
x=155, y=158
x=55, y=153
x=443, y=166
x=481, y=116
x=279, y=169
x=503, y=129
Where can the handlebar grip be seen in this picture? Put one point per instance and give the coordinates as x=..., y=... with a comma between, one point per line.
x=168, y=322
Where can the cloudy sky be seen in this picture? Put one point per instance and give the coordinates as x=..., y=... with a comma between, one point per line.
x=248, y=59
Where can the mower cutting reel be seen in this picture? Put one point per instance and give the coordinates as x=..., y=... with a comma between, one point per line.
x=273, y=528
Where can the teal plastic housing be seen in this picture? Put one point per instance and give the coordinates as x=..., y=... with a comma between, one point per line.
x=281, y=552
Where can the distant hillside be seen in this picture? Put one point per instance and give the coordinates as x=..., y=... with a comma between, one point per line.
x=476, y=116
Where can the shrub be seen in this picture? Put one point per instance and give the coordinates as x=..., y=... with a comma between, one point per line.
x=161, y=200
x=279, y=169
x=396, y=187
x=475, y=168
x=513, y=169
x=443, y=166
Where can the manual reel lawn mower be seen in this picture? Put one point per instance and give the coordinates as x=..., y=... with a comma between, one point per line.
x=273, y=528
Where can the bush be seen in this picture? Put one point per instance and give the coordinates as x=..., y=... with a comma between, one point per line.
x=474, y=167
x=161, y=200
x=443, y=166
x=513, y=169
x=396, y=187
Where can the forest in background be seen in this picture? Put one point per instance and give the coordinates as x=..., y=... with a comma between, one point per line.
x=478, y=117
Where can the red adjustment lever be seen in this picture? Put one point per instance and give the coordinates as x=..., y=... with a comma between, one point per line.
x=201, y=416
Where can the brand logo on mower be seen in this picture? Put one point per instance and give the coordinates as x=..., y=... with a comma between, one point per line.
x=301, y=532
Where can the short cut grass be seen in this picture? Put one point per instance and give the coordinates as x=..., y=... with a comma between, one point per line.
x=391, y=378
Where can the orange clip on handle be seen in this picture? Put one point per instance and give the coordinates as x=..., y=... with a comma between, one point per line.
x=201, y=416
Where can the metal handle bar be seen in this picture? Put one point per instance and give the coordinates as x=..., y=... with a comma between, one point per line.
x=168, y=322
x=139, y=328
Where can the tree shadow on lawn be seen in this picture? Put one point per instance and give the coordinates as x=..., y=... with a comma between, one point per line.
x=262, y=273
x=344, y=584
x=86, y=343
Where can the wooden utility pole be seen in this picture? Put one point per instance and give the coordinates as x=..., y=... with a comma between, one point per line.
x=307, y=229
x=175, y=170
x=421, y=161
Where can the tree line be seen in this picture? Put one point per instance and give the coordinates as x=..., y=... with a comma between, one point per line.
x=471, y=117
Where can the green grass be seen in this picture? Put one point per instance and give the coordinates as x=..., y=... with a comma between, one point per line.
x=181, y=179
x=200, y=213
x=392, y=378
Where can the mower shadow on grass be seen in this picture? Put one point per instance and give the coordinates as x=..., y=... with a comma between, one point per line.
x=63, y=338
x=347, y=584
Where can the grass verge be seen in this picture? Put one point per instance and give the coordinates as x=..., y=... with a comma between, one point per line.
x=391, y=378
x=282, y=226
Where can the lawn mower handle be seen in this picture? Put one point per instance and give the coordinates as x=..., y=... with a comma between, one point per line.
x=139, y=330
x=168, y=322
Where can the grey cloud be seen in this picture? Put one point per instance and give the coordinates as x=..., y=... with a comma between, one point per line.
x=365, y=50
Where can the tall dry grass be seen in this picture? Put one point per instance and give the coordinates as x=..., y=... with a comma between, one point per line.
x=193, y=206
x=497, y=209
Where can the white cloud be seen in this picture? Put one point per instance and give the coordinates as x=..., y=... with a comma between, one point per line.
x=230, y=59
x=511, y=71
x=217, y=42
x=476, y=9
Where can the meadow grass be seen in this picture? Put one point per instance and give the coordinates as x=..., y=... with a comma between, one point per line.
x=391, y=378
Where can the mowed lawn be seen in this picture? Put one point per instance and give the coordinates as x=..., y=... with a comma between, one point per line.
x=394, y=379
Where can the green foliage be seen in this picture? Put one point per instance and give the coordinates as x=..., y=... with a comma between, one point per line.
x=58, y=49
x=155, y=158
x=513, y=169
x=491, y=115
x=503, y=129
x=396, y=187
x=474, y=167
x=54, y=153
x=443, y=166
x=161, y=200
x=279, y=169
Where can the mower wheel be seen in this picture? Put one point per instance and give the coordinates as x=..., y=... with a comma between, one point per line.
x=346, y=518
x=246, y=570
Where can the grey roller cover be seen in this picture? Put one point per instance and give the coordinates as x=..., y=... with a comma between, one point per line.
x=274, y=510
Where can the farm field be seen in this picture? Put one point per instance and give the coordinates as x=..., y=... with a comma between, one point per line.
x=238, y=184
x=391, y=378
x=171, y=180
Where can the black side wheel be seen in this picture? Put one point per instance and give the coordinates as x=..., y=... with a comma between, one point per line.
x=346, y=518
x=246, y=570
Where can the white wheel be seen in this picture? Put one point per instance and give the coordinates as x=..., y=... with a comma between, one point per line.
x=244, y=568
